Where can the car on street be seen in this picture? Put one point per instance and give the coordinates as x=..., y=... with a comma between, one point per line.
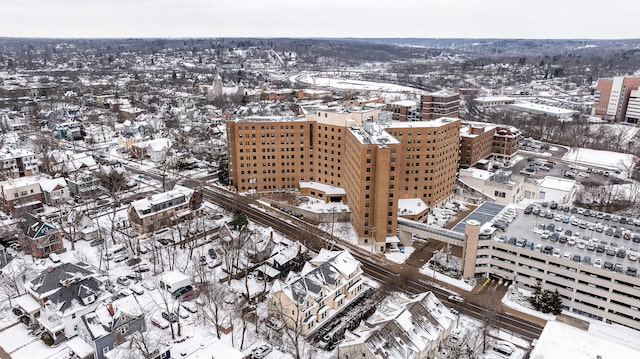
x=455, y=298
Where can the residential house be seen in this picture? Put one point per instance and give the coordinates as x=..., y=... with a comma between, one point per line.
x=40, y=238
x=111, y=324
x=16, y=163
x=403, y=327
x=161, y=210
x=53, y=278
x=80, y=162
x=84, y=184
x=22, y=195
x=326, y=284
x=62, y=312
x=54, y=191
x=156, y=149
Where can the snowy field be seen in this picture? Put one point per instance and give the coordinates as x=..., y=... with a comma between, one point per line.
x=606, y=159
x=348, y=84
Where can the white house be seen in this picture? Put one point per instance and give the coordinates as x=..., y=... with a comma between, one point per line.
x=54, y=191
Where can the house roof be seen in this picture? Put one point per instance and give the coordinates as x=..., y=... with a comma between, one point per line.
x=112, y=315
x=53, y=278
x=49, y=185
x=147, y=204
x=323, y=271
x=70, y=296
x=403, y=326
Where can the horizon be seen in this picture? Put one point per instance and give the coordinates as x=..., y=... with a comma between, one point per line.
x=310, y=38
x=463, y=19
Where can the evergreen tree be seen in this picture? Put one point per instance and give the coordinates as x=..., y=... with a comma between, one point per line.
x=223, y=170
x=555, y=303
x=545, y=304
x=536, y=297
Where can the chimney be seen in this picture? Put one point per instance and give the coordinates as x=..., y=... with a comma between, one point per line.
x=49, y=269
x=110, y=309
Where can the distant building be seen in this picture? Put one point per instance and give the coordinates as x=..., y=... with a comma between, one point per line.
x=403, y=326
x=505, y=143
x=84, y=184
x=492, y=101
x=405, y=110
x=633, y=108
x=162, y=210
x=612, y=98
x=476, y=142
x=325, y=286
x=440, y=104
x=155, y=149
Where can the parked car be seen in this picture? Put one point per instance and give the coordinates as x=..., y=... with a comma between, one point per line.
x=137, y=289
x=261, y=351
x=171, y=317
x=190, y=307
x=122, y=280
x=180, y=291
x=160, y=322
x=54, y=258
x=96, y=242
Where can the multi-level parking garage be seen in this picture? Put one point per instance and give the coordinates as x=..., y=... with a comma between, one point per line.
x=590, y=258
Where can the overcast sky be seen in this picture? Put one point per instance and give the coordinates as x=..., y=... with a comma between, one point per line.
x=598, y=19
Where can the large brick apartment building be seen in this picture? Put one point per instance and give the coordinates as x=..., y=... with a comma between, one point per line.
x=612, y=98
x=375, y=163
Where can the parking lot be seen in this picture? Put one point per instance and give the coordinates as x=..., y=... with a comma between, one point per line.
x=588, y=237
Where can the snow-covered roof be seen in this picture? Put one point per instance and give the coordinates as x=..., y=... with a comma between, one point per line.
x=323, y=271
x=410, y=206
x=27, y=303
x=403, y=326
x=173, y=277
x=559, y=340
x=328, y=189
x=49, y=185
x=147, y=206
x=560, y=184
x=111, y=315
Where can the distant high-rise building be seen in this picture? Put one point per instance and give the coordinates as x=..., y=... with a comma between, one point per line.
x=633, y=108
x=612, y=98
x=440, y=104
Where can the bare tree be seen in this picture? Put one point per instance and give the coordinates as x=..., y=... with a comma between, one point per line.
x=215, y=308
x=144, y=344
x=291, y=315
x=12, y=278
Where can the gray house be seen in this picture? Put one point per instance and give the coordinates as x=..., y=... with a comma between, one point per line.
x=111, y=324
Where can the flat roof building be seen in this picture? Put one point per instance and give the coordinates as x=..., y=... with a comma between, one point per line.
x=368, y=164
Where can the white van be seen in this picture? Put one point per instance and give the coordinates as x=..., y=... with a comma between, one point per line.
x=112, y=252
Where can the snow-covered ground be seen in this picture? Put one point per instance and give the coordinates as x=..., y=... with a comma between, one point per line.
x=606, y=159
